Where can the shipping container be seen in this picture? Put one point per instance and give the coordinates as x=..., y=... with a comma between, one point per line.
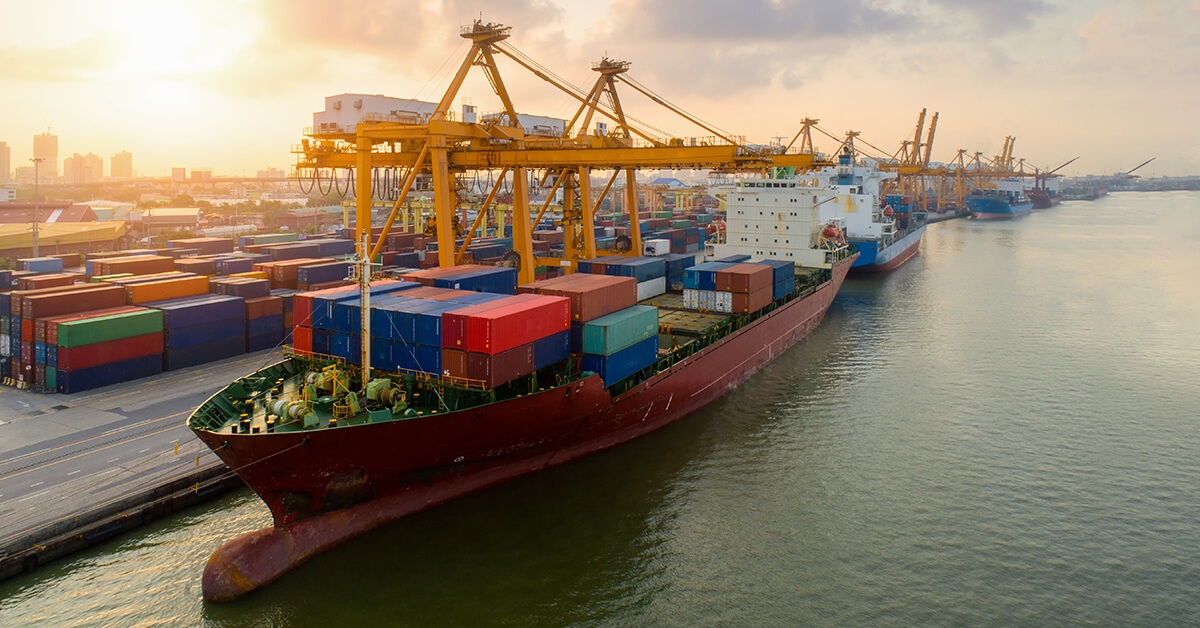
x=108, y=374
x=41, y=264
x=591, y=296
x=497, y=369
x=609, y=334
x=509, y=326
x=87, y=356
x=147, y=292
x=552, y=349
x=174, y=359
x=104, y=328
x=622, y=364
x=86, y=297
x=199, y=309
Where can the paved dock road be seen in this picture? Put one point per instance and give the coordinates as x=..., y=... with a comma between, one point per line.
x=61, y=455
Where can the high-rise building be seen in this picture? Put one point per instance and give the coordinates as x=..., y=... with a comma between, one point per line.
x=83, y=168
x=45, y=147
x=5, y=163
x=121, y=165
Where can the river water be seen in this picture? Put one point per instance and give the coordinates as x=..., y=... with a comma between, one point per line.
x=1002, y=432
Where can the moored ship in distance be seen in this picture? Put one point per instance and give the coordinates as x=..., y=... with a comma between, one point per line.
x=885, y=235
x=1043, y=198
x=998, y=204
x=335, y=448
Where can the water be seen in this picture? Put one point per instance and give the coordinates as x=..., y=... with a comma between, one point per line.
x=1002, y=432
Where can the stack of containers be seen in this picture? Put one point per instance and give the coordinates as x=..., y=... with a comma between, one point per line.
x=590, y=296
x=26, y=307
x=407, y=327
x=321, y=273
x=245, y=287
x=197, y=265
x=288, y=299
x=622, y=343
x=205, y=246
x=134, y=264
x=676, y=264
x=266, y=238
x=264, y=322
x=312, y=314
x=285, y=273
x=494, y=279
x=34, y=282
x=201, y=329
x=242, y=263
x=137, y=293
x=784, y=276
x=650, y=273
x=41, y=264
x=731, y=288
x=493, y=343
x=700, y=286
x=104, y=347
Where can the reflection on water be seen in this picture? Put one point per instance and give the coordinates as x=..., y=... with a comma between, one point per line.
x=1002, y=431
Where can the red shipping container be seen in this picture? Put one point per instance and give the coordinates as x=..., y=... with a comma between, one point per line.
x=84, y=356
x=27, y=328
x=454, y=363
x=26, y=353
x=302, y=339
x=591, y=296
x=454, y=322
x=500, y=329
x=70, y=260
x=14, y=297
x=33, y=282
x=745, y=303
x=745, y=278
x=501, y=368
x=258, y=307
x=137, y=264
x=91, y=297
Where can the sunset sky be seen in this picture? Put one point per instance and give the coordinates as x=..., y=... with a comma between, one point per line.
x=230, y=85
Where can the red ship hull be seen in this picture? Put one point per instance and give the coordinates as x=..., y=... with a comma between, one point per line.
x=384, y=471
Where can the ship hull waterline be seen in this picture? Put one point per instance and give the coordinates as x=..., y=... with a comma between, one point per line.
x=448, y=456
x=895, y=255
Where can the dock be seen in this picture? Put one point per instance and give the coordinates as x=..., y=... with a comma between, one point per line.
x=76, y=470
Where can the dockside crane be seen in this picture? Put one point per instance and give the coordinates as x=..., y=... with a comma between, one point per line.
x=445, y=149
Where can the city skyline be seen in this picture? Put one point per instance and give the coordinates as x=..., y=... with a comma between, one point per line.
x=230, y=86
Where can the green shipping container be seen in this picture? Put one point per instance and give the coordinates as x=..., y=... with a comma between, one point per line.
x=101, y=278
x=51, y=379
x=681, y=224
x=275, y=238
x=621, y=329
x=104, y=328
x=662, y=214
x=702, y=219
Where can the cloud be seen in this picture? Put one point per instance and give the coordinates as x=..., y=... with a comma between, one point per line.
x=1153, y=41
x=997, y=17
x=77, y=61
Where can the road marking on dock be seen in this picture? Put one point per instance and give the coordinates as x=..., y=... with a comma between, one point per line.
x=29, y=497
x=74, y=472
x=112, y=461
x=144, y=450
x=32, y=453
x=36, y=484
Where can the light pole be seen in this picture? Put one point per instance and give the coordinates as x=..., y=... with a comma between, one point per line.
x=36, y=161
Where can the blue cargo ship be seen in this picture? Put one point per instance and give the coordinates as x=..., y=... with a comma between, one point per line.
x=992, y=204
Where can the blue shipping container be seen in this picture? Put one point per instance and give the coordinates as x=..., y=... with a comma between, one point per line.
x=107, y=374
x=174, y=359
x=623, y=363
x=551, y=349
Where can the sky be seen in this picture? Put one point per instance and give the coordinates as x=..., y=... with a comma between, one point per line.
x=230, y=85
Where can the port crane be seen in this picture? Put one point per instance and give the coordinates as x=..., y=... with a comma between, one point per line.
x=446, y=149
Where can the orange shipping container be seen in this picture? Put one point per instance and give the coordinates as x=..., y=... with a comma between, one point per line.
x=150, y=291
x=138, y=265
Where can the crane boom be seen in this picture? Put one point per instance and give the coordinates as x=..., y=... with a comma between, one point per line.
x=1140, y=165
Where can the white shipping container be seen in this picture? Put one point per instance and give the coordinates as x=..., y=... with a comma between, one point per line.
x=4, y=341
x=651, y=288
x=656, y=247
x=691, y=299
x=724, y=302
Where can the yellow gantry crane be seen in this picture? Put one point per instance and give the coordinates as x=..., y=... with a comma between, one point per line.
x=447, y=149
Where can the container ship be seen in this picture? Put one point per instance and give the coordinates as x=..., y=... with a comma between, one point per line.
x=403, y=394
x=885, y=235
x=994, y=204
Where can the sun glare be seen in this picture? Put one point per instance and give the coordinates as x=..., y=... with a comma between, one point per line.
x=173, y=40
